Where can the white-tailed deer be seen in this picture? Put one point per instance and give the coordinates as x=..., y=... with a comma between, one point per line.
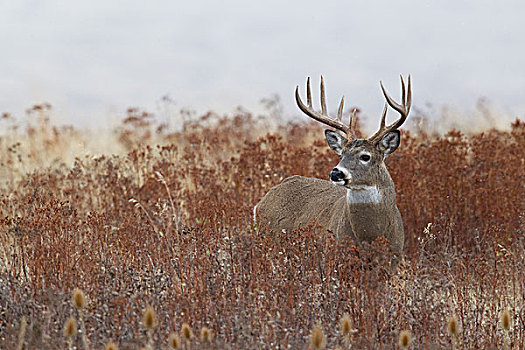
x=360, y=200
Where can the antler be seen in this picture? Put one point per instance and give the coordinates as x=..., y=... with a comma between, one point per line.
x=403, y=109
x=323, y=117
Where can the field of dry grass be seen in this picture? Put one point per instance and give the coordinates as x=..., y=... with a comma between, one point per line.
x=167, y=223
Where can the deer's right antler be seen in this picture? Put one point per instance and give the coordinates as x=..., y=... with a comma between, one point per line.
x=323, y=117
x=403, y=109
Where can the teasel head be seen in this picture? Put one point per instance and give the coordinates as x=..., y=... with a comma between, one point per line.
x=78, y=299
x=149, y=319
x=206, y=335
x=186, y=332
x=111, y=346
x=405, y=339
x=174, y=341
x=346, y=325
x=317, y=339
x=452, y=326
x=70, y=328
x=506, y=320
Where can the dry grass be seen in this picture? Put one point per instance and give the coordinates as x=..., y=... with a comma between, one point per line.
x=171, y=227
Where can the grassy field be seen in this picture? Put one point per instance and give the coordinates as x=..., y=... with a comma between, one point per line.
x=167, y=222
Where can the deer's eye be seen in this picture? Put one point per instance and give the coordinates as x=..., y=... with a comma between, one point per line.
x=364, y=157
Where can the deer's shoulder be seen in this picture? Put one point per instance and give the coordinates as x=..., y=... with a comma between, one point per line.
x=309, y=185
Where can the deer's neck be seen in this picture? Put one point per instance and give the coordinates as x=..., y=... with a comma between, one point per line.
x=362, y=194
x=376, y=196
x=371, y=212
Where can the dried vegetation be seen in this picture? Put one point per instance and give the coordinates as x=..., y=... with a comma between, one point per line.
x=170, y=227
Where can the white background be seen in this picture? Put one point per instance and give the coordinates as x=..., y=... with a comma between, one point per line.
x=93, y=59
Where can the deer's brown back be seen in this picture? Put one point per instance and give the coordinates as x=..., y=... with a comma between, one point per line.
x=298, y=201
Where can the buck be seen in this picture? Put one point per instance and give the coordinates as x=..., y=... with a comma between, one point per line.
x=360, y=199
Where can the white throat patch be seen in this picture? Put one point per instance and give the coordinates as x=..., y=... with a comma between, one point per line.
x=360, y=194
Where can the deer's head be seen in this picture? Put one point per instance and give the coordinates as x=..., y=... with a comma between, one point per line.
x=362, y=160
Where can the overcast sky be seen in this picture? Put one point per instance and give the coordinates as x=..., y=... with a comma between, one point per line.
x=93, y=59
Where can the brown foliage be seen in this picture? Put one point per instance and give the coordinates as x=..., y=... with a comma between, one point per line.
x=171, y=226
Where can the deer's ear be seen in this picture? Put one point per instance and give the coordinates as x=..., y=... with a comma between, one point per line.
x=335, y=141
x=389, y=142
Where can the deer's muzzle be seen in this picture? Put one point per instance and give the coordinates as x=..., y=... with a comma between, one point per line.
x=338, y=176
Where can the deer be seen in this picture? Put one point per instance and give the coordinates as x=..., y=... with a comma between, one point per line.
x=360, y=199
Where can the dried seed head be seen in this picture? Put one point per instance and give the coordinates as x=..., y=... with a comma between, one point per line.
x=70, y=328
x=206, y=335
x=452, y=326
x=111, y=346
x=21, y=332
x=346, y=325
x=149, y=320
x=405, y=339
x=174, y=341
x=506, y=320
x=317, y=339
x=79, y=299
x=186, y=331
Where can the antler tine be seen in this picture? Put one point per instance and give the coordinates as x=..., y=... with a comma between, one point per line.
x=383, y=117
x=403, y=93
x=323, y=98
x=323, y=116
x=403, y=109
x=409, y=96
x=340, y=110
x=353, y=121
x=308, y=92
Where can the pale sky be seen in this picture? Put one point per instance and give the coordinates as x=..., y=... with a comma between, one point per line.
x=93, y=59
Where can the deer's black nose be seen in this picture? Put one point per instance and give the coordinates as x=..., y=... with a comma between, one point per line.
x=337, y=175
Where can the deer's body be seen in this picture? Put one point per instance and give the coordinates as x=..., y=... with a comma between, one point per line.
x=363, y=214
x=360, y=200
